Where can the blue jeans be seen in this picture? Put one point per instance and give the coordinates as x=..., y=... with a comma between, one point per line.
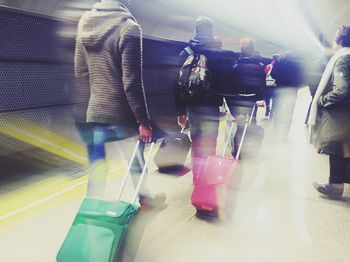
x=204, y=126
x=95, y=137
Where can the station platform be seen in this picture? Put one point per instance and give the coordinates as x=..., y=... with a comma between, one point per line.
x=276, y=215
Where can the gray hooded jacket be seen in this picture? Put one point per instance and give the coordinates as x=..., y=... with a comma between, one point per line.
x=108, y=65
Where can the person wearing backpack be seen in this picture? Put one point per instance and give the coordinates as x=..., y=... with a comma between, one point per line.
x=247, y=87
x=195, y=98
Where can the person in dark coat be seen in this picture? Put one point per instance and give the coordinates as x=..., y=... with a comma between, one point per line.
x=202, y=114
x=314, y=74
x=330, y=116
x=287, y=72
x=249, y=87
x=270, y=87
x=108, y=70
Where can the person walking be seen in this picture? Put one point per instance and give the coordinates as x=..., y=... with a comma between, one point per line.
x=108, y=68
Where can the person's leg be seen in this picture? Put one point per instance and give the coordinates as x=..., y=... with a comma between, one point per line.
x=339, y=174
x=126, y=148
x=98, y=167
x=273, y=101
x=210, y=127
x=268, y=97
x=338, y=169
x=283, y=111
x=196, y=135
x=127, y=138
x=204, y=125
x=290, y=100
x=241, y=115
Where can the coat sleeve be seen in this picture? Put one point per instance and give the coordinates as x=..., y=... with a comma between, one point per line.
x=81, y=91
x=340, y=85
x=131, y=60
x=180, y=105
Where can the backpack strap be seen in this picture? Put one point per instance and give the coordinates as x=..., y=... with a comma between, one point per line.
x=188, y=50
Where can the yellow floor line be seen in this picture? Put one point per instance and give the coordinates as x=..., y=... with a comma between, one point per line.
x=19, y=201
x=41, y=201
x=44, y=139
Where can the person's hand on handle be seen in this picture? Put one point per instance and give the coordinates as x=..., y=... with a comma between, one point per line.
x=260, y=103
x=182, y=120
x=145, y=132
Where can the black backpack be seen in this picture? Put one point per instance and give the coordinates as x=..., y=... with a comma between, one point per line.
x=288, y=71
x=248, y=76
x=195, y=78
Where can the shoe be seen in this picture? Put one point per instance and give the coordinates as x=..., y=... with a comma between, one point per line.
x=331, y=190
x=152, y=201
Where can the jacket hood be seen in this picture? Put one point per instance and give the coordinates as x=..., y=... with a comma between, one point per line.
x=96, y=25
x=203, y=42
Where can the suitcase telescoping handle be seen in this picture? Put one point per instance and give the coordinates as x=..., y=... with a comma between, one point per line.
x=143, y=173
x=245, y=131
x=247, y=122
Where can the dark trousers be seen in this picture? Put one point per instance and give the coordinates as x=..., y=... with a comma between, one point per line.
x=339, y=169
x=204, y=126
x=240, y=110
x=269, y=98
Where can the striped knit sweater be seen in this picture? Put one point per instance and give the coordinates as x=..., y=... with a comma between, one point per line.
x=108, y=65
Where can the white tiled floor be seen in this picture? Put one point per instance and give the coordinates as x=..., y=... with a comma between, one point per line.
x=276, y=216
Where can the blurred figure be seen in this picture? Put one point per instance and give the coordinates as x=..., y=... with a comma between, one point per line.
x=270, y=87
x=202, y=113
x=248, y=84
x=330, y=116
x=247, y=46
x=287, y=72
x=108, y=67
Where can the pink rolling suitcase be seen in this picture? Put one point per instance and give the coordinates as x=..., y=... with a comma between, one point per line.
x=212, y=186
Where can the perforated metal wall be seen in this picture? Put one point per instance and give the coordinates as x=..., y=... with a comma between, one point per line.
x=12, y=96
x=36, y=81
x=23, y=130
x=30, y=38
x=47, y=84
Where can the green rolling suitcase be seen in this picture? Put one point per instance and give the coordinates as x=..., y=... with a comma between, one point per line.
x=99, y=227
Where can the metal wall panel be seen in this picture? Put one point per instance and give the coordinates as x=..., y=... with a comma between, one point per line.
x=32, y=122
x=29, y=38
x=47, y=84
x=11, y=91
